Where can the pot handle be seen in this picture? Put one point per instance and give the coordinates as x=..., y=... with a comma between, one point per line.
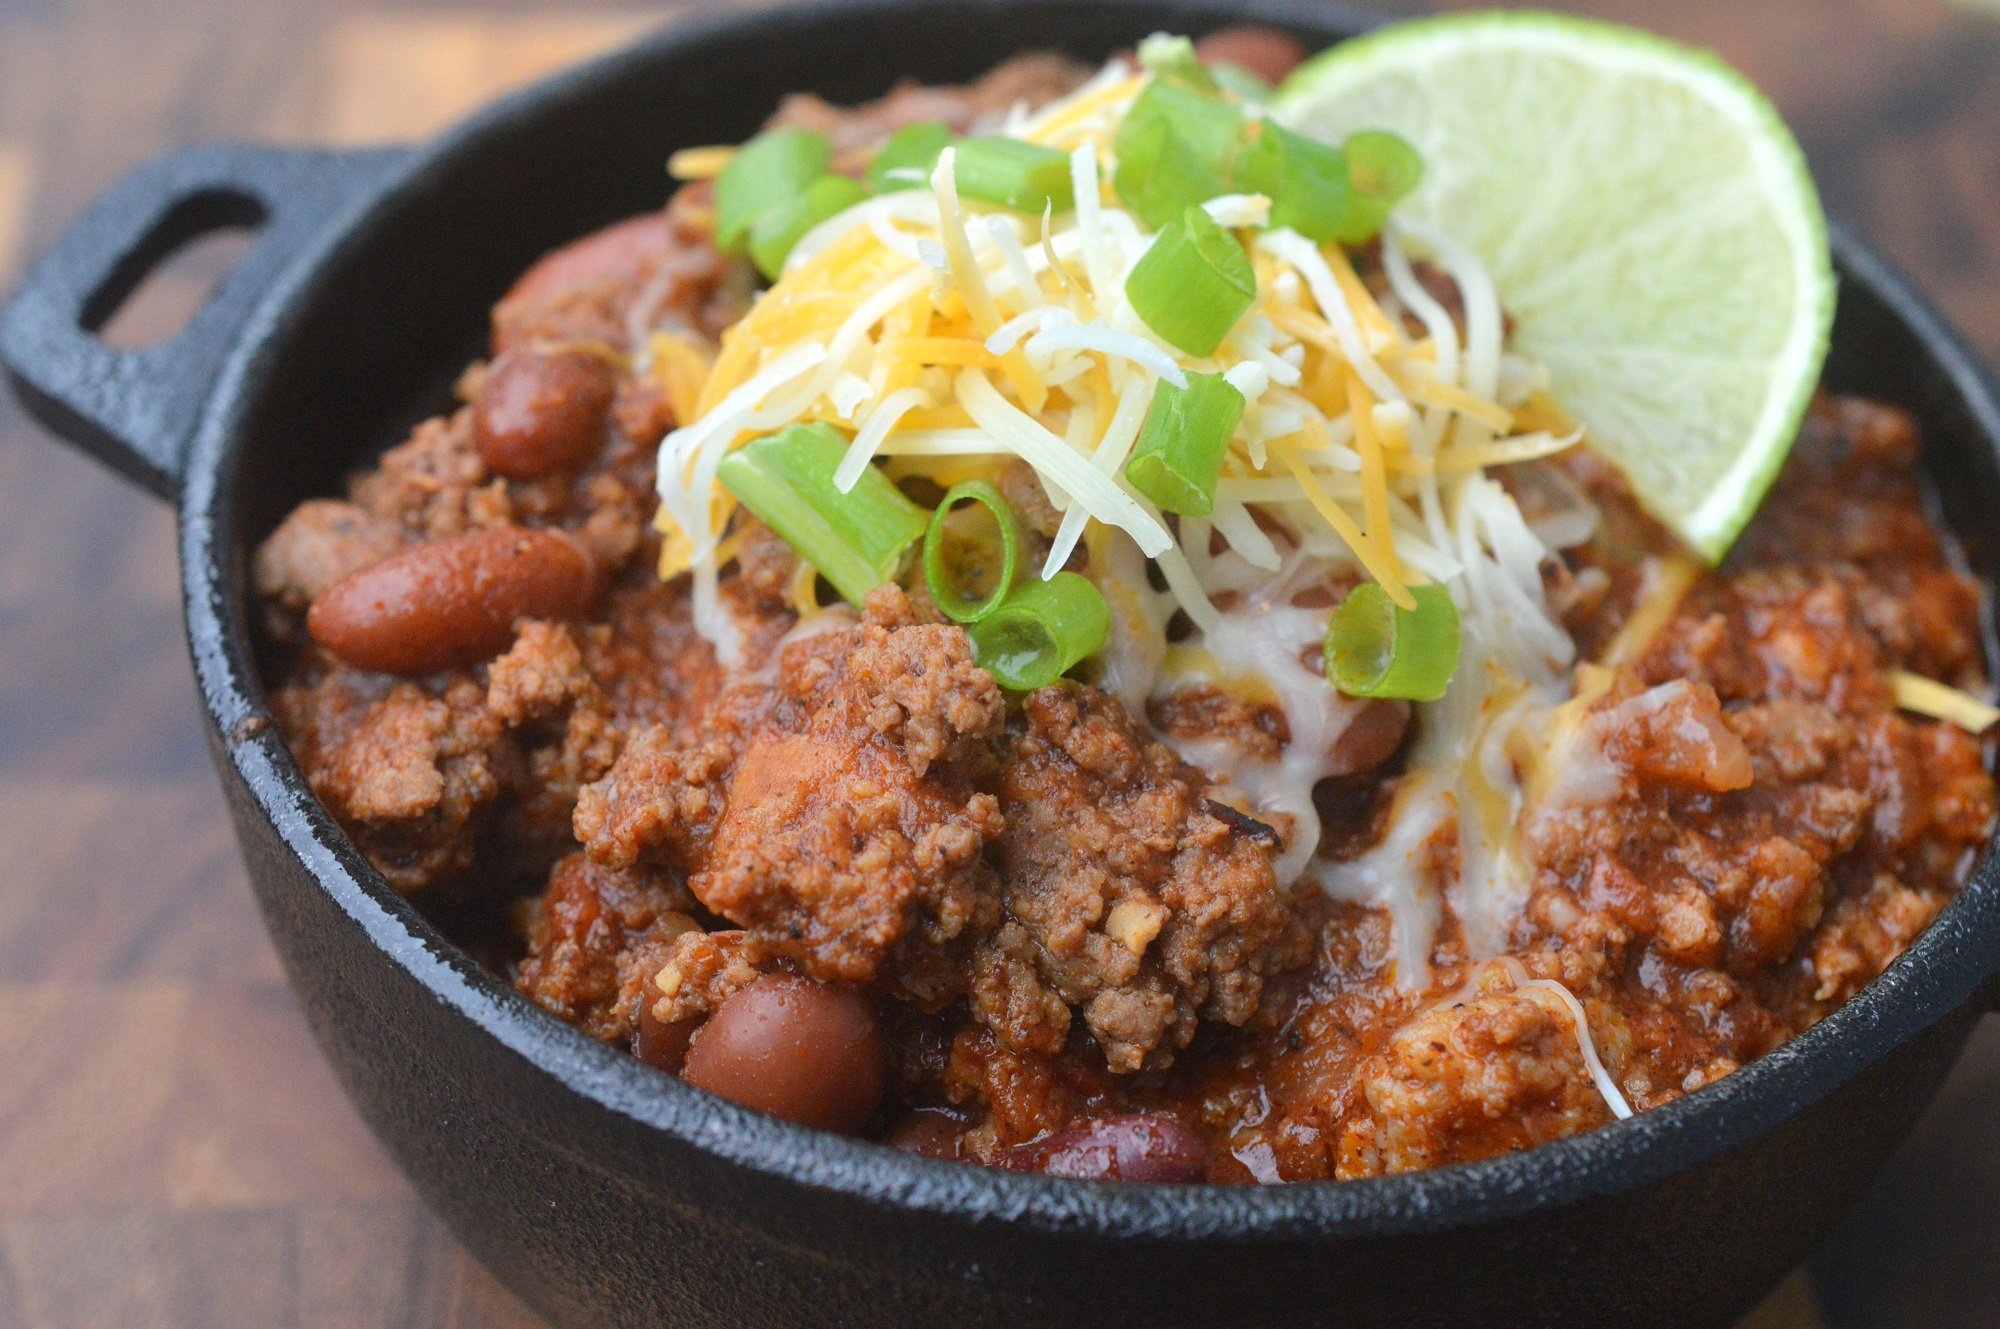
x=136, y=410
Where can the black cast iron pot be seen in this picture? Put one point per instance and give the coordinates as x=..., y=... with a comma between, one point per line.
x=606, y=1193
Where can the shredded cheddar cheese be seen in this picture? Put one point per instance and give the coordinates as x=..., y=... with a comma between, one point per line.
x=1941, y=702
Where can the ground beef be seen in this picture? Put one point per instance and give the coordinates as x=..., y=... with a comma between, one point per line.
x=1468, y=1079
x=1128, y=897
x=321, y=541
x=409, y=771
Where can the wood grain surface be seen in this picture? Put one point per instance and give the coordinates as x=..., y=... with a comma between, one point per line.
x=172, y=1152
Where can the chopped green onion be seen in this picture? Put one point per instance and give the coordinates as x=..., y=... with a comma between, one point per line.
x=768, y=170
x=907, y=159
x=1014, y=173
x=1174, y=58
x=1178, y=457
x=1374, y=649
x=945, y=570
x=1382, y=168
x=1176, y=146
x=1159, y=174
x=1193, y=284
x=1240, y=81
x=857, y=540
x=1041, y=631
x=782, y=227
x=1306, y=181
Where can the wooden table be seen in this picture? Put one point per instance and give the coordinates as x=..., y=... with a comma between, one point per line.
x=172, y=1152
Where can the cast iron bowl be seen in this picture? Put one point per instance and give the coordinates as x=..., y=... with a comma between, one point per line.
x=606, y=1193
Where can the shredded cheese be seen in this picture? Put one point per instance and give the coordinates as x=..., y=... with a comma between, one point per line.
x=1667, y=582
x=703, y=163
x=1941, y=702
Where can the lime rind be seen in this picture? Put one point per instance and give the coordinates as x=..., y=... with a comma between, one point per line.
x=1652, y=287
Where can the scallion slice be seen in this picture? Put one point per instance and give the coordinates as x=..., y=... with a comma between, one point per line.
x=1306, y=181
x=1174, y=58
x=1178, y=457
x=1374, y=649
x=951, y=562
x=1176, y=146
x=857, y=540
x=1014, y=173
x=1382, y=169
x=1042, y=631
x=1240, y=81
x=765, y=172
x=907, y=159
x=1193, y=284
x=1159, y=174
x=774, y=233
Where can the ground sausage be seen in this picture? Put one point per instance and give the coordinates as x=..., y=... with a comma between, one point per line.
x=453, y=602
x=537, y=412
x=804, y=1051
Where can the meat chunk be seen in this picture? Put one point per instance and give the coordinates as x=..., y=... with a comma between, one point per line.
x=1130, y=900
x=852, y=827
x=541, y=673
x=701, y=970
x=1469, y=1079
x=411, y=774
x=658, y=803
x=1706, y=834
x=435, y=485
x=321, y=542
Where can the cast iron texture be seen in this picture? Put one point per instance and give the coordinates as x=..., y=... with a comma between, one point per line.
x=607, y=1194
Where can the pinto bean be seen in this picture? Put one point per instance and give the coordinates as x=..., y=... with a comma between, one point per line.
x=537, y=413
x=808, y=1052
x=1265, y=52
x=1132, y=1147
x=453, y=602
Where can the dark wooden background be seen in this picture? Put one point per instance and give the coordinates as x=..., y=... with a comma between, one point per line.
x=172, y=1153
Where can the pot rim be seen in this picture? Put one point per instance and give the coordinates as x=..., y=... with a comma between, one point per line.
x=1939, y=974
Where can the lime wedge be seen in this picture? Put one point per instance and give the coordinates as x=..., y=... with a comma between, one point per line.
x=1646, y=216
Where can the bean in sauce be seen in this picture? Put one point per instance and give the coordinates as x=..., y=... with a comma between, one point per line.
x=453, y=602
x=538, y=412
x=1265, y=52
x=804, y=1051
x=1131, y=1147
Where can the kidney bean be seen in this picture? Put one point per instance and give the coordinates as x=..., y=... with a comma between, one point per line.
x=615, y=256
x=1265, y=52
x=453, y=602
x=1371, y=737
x=1133, y=1147
x=931, y=1132
x=808, y=1052
x=537, y=413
